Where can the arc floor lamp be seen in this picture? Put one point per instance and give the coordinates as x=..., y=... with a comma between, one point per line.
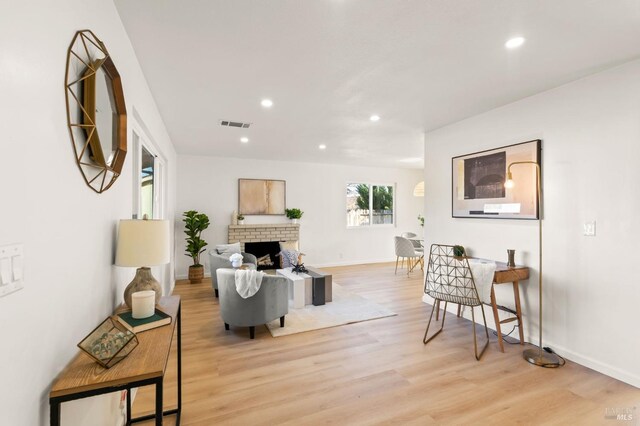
x=537, y=356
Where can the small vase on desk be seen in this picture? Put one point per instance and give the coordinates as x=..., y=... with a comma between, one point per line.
x=511, y=255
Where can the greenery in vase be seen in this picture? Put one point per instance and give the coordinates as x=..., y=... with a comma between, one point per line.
x=194, y=224
x=293, y=213
x=421, y=220
x=458, y=251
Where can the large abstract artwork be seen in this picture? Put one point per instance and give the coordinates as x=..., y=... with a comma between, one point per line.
x=261, y=197
x=477, y=183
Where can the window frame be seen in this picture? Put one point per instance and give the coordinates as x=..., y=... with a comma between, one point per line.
x=372, y=225
x=140, y=139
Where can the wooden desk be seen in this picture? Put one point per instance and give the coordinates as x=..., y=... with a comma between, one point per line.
x=145, y=365
x=504, y=275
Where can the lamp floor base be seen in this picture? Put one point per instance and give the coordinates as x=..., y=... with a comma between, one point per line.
x=542, y=358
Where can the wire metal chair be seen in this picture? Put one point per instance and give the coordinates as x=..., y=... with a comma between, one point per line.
x=449, y=279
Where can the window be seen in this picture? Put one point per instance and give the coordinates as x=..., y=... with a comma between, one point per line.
x=148, y=186
x=369, y=204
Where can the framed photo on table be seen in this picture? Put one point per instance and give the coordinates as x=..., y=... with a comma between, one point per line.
x=477, y=183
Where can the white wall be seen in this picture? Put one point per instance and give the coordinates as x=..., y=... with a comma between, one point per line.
x=210, y=185
x=591, y=145
x=68, y=231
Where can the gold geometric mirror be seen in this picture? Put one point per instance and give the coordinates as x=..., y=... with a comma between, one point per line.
x=96, y=111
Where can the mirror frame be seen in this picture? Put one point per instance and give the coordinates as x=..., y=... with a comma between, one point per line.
x=84, y=47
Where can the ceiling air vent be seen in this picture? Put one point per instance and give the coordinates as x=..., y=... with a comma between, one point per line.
x=228, y=123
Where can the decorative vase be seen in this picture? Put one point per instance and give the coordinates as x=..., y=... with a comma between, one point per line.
x=511, y=255
x=141, y=282
x=295, y=221
x=236, y=263
x=196, y=274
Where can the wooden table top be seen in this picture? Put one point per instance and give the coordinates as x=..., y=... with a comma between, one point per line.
x=148, y=360
x=507, y=274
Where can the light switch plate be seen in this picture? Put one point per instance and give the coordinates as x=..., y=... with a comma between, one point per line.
x=589, y=229
x=11, y=269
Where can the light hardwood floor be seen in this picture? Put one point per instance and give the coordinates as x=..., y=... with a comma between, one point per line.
x=374, y=372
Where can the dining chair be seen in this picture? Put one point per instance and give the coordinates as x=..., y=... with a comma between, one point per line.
x=405, y=249
x=450, y=280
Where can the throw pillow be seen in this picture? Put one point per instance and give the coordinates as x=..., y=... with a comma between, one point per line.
x=228, y=249
x=289, y=258
x=289, y=245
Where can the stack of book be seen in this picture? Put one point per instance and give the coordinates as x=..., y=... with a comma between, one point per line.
x=138, y=325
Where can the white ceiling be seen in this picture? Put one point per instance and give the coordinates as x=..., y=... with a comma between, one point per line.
x=329, y=64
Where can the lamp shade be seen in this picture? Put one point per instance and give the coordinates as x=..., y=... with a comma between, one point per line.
x=143, y=243
x=418, y=191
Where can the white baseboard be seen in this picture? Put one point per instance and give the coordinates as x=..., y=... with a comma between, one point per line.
x=186, y=276
x=351, y=263
x=594, y=364
x=316, y=265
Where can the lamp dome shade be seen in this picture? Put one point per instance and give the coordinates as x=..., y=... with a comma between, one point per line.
x=418, y=191
x=143, y=243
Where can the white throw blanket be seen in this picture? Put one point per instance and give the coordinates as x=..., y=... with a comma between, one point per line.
x=483, y=271
x=248, y=282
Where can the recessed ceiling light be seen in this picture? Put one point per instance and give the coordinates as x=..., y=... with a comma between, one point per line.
x=267, y=103
x=514, y=42
x=374, y=118
x=244, y=139
x=322, y=146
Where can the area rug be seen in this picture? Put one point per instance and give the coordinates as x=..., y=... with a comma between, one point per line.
x=346, y=308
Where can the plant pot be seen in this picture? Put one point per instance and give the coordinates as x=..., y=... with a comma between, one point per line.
x=196, y=274
x=241, y=222
x=295, y=221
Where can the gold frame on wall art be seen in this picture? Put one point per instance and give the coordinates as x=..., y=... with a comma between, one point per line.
x=86, y=56
x=264, y=197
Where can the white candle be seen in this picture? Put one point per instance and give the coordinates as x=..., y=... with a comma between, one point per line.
x=143, y=304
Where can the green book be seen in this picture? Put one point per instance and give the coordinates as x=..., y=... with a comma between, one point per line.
x=138, y=325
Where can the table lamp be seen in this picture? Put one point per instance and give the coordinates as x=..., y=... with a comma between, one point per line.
x=538, y=356
x=141, y=244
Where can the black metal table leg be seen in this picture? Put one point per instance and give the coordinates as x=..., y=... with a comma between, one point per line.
x=159, y=413
x=54, y=414
x=179, y=411
x=128, y=407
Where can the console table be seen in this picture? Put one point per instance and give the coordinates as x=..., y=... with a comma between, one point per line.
x=145, y=365
x=504, y=275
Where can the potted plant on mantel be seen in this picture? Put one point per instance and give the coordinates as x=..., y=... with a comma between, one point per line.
x=294, y=215
x=194, y=224
x=240, y=218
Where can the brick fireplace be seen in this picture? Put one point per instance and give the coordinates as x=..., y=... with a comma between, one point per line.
x=255, y=233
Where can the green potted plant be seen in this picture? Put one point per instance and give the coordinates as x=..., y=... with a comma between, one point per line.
x=458, y=251
x=294, y=214
x=194, y=224
x=240, y=218
x=421, y=220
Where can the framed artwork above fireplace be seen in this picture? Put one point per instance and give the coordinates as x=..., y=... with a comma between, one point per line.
x=262, y=197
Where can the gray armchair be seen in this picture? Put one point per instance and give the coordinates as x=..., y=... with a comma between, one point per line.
x=217, y=261
x=269, y=303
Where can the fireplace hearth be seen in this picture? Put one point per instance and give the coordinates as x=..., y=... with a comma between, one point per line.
x=267, y=253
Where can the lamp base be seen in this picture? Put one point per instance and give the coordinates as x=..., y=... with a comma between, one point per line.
x=542, y=358
x=142, y=281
